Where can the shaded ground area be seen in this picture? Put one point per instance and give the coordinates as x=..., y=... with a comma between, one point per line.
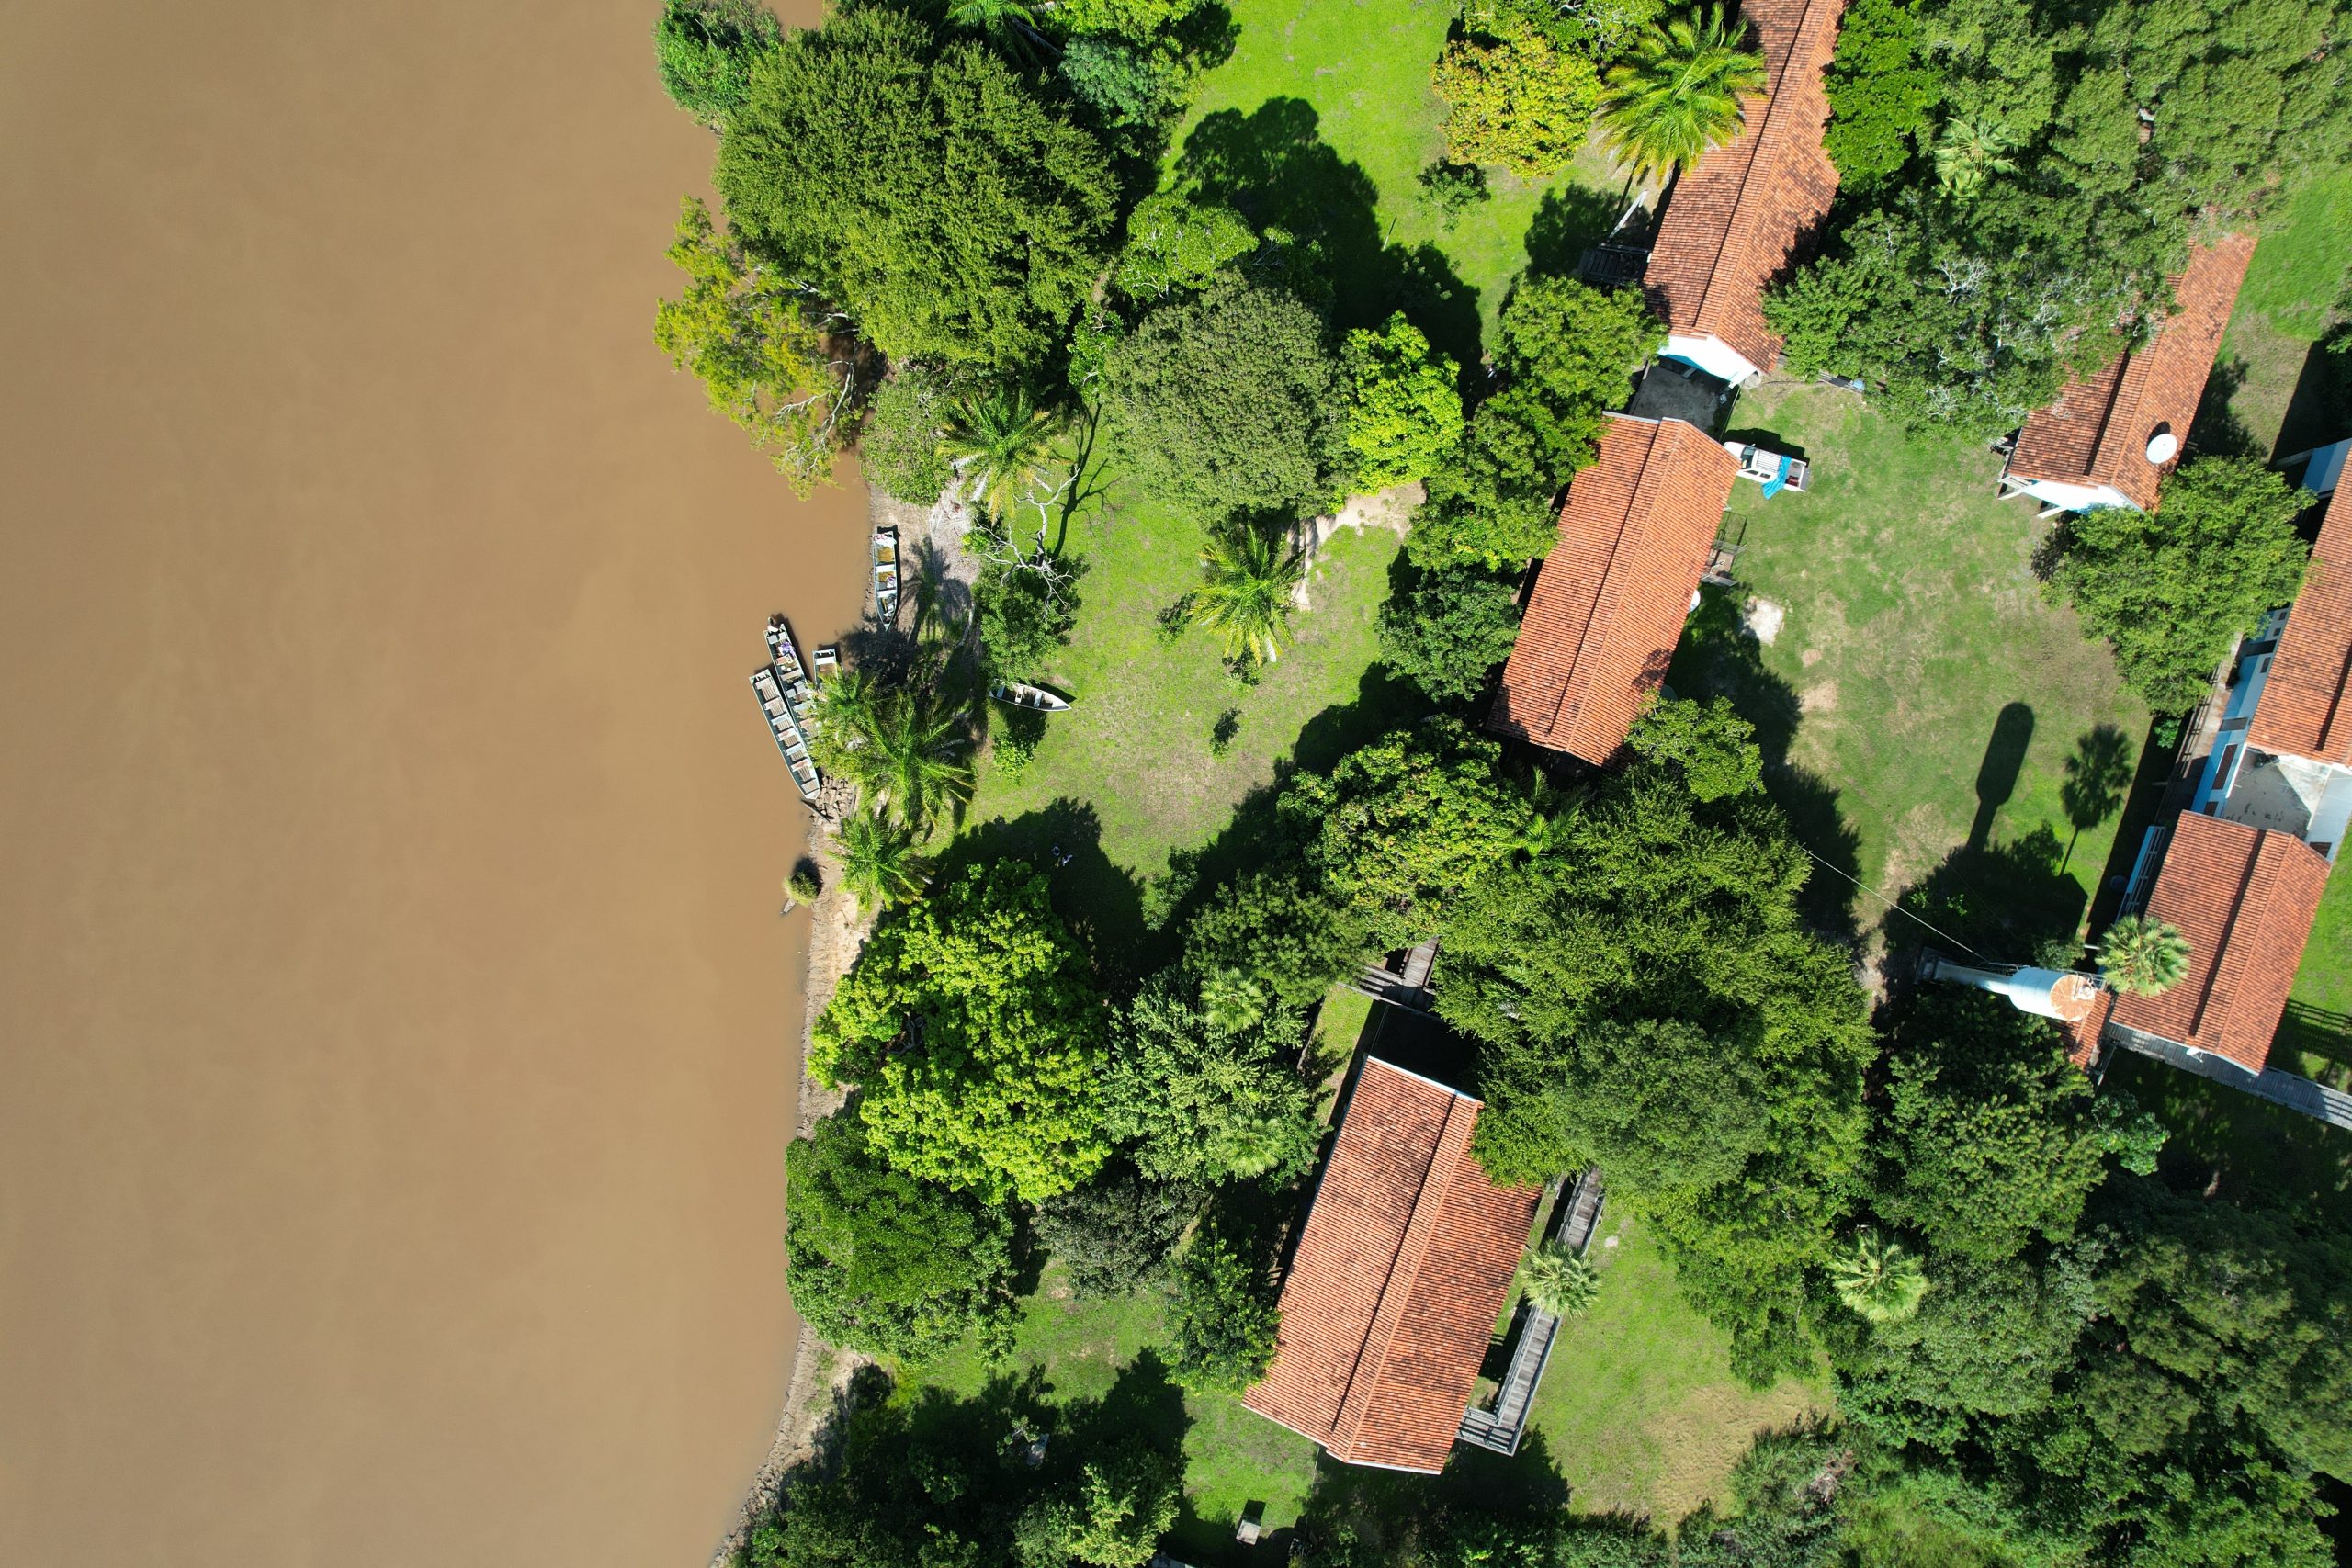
x=2270, y=394
x=1922, y=701
x=2238, y=1146
x=1361, y=72
x=1639, y=1407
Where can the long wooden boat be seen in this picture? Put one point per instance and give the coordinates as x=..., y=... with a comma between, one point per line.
x=789, y=740
x=798, y=693
x=1022, y=694
x=886, y=575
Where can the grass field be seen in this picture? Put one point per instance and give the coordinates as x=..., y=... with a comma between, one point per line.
x=1232, y=1457
x=2292, y=294
x=1341, y=86
x=2316, y=1039
x=1922, y=693
x=1638, y=1405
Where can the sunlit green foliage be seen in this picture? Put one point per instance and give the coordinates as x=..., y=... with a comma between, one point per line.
x=1449, y=628
x=1405, y=406
x=1202, y=1101
x=704, y=50
x=1517, y=100
x=972, y=1021
x=1682, y=89
x=1174, y=241
x=882, y=1262
x=750, y=339
x=2171, y=591
x=925, y=189
x=1225, y=1317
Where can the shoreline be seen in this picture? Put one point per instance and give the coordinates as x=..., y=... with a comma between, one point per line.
x=820, y=1370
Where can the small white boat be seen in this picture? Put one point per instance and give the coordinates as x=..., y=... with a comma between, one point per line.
x=1021, y=694
x=786, y=729
x=886, y=575
x=827, y=657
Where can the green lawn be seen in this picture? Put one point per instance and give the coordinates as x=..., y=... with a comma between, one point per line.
x=1232, y=1457
x=1923, y=694
x=2242, y=1146
x=2292, y=294
x=1342, y=88
x=1639, y=1407
x=2316, y=1038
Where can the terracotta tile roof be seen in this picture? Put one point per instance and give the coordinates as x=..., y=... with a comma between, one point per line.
x=1399, y=1275
x=1610, y=603
x=2306, y=705
x=2245, y=898
x=1738, y=213
x=2097, y=430
x=2082, y=1033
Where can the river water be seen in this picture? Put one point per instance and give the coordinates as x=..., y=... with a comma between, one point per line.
x=396, y=1020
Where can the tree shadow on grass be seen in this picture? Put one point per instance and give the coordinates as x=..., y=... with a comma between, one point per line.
x=1100, y=899
x=2003, y=903
x=1718, y=658
x=1256, y=835
x=1274, y=168
x=1360, y=1514
x=1569, y=221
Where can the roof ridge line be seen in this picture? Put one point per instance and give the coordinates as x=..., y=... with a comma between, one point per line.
x=1405, y=1268
x=1580, y=666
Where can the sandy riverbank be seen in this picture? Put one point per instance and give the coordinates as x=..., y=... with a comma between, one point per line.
x=820, y=1370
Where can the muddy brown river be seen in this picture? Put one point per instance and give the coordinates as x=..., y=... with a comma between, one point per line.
x=396, y=1019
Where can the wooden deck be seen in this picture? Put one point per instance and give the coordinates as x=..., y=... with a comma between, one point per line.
x=1501, y=1427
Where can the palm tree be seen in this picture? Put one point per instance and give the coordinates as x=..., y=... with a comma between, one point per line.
x=1679, y=92
x=1558, y=1281
x=1009, y=22
x=2142, y=956
x=1969, y=153
x=843, y=712
x=1879, y=1280
x=1246, y=600
x=1232, y=1001
x=879, y=863
x=1004, y=443
x=906, y=760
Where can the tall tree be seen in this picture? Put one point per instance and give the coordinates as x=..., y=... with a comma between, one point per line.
x=882, y=1262
x=880, y=865
x=973, y=1022
x=704, y=48
x=927, y=189
x=1001, y=442
x=1679, y=92
x=1248, y=576
x=2170, y=590
x=2142, y=956
x=1405, y=411
x=1231, y=400
x=1203, y=1101
x=1517, y=100
x=762, y=355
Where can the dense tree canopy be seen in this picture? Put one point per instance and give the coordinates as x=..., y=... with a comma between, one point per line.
x=927, y=189
x=1403, y=406
x=1449, y=628
x=1567, y=352
x=704, y=48
x=1231, y=401
x=973, y=1022
x=2075, y=156
x=1204, y=1098
x=1403, y=824
x=1175, y=242
x=1115, y=1234
x=2172, y=589
x=885, y=1263
x=1646, y=998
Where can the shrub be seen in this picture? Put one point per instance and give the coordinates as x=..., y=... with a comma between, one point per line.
x=806, y=883
x=1129, y=85
x=704, y=50
x=1225, y=1319
x=1520, y=101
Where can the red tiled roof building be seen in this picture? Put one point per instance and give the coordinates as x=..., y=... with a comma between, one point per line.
x=2092, y=447
x=1400, y=1274
x=1611, y=597
x=2244, y=898
x=1737, y=216
x=2306, y=705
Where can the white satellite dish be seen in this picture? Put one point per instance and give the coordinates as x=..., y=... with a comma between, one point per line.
x=2163, y=447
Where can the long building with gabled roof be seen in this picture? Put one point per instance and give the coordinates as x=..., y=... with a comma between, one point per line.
x=1739, y=216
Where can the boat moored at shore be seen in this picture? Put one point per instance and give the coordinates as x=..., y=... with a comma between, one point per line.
x=1021, y=694
x=886, y=575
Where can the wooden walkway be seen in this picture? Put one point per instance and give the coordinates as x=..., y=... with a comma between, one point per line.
x=1408, y=987
x=1502, y=1427
x=2292, y=1090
